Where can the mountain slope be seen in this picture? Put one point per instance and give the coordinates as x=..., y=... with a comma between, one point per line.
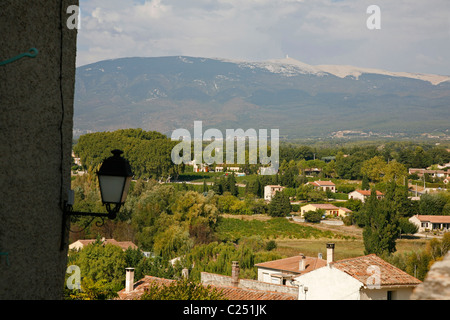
x=167, y=93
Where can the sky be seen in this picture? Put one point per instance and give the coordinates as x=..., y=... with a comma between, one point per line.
x=414, y=35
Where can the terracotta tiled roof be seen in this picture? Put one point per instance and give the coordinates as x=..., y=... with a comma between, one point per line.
x=323, y=183
x=230, y=293
x=389, y=275
x=434, y=219
x=368, y=192
x=292, y=264
x=325, y=206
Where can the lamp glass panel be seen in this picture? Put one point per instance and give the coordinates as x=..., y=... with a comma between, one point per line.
x=125, y=189
x=111, y=188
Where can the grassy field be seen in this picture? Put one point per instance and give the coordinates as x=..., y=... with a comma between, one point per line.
x=343, y=249
x=348, y=239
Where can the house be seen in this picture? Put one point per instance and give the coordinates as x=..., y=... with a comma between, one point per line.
x=330, y=209
x=312, y=171
x=270, y=190
x=363, y=195
x=361, y=278
x=343, y=212
x=76, y=159
x=80, y=244
x=323, y=185
x=430, y=222
x=431, y=173
x=202, y=167
x=283, y=271
x=233, y=288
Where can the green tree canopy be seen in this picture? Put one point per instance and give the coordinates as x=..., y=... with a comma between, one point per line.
x=381, y=226
x=279, y=206
x=149, y=152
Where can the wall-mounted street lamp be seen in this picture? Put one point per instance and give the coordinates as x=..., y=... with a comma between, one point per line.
x=114, y=177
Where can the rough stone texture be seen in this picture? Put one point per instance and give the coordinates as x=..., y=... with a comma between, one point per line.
x=35, y=146
x=437, y=282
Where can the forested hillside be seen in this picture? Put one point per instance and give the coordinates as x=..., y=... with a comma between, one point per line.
x=147, y=151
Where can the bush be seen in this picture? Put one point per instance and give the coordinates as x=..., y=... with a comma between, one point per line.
x=314, y=216
x=270, y=245
x=345, y=188
x=407, y=227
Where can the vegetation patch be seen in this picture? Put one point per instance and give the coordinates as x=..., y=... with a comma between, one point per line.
x=229, y=229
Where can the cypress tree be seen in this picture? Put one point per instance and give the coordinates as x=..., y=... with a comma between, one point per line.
x=365, y=183
x=381, y=226
x=279, y=206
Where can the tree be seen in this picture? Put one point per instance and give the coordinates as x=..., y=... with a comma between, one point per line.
x=419, y=263
x=205, y=187
x=279, y=206
x=182, y=290
x=395, y=171
x=232, y=185
x=373, y=168
x=381, y=227
x=432, y=204
x=314, y=216
x=256, y=188
x=102, y=269
x=365, y=183
x=149, y=152
x=407, y=227
x=217, y=186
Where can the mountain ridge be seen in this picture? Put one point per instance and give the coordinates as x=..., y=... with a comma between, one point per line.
x=165, y=93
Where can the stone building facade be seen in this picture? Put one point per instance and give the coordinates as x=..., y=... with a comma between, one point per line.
x=36, y=119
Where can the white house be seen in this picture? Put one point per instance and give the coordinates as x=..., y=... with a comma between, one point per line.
x=430, y=222
x=202, y=167
x=270, y=190
x=283, y=271
x=362, y=278
x=363, y=195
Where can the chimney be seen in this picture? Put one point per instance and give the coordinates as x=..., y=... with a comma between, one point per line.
x=330, y=253
x=129, y=279
x=302, y=264
x=235, y=273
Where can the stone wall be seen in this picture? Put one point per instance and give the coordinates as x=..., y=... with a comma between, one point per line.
x=36, y=117
x=220, y=280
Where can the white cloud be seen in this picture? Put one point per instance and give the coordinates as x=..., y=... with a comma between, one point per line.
x=414, y=35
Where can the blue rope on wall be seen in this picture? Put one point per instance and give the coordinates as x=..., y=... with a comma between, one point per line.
x=31, y=53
